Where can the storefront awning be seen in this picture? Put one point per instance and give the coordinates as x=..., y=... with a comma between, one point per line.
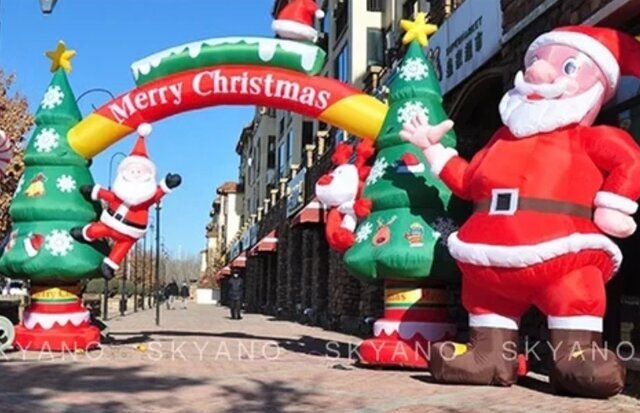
x=224, y=271
x=267, y=244
x=239, y=262
x=312, y=213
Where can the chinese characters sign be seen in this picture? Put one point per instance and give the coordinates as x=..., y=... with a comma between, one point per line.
x=465, y=41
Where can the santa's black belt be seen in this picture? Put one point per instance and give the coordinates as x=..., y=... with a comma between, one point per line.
x=121, y=218
x=550, y=206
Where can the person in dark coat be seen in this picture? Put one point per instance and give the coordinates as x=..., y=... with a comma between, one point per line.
x=184, y=294
x=171, y=292
x=235, y=295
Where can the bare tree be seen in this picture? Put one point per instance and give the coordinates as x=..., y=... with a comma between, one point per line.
x=15, y=121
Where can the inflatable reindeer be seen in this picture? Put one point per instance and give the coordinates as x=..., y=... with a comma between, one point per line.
x=341, y=190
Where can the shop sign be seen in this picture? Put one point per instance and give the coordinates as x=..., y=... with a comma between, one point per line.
x=295, y=191
x=253, y=235
x=246, y=240
x=465, y=41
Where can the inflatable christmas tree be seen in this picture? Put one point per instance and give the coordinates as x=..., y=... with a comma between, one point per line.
x=403, y=240
x=46, y=205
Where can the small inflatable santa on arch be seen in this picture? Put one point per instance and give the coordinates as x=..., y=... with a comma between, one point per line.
x=296, y=20
x=125, y=218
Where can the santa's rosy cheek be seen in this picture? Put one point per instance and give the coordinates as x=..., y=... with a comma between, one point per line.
x=572, y=87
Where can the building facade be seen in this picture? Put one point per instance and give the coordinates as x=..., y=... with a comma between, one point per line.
x=477, y=51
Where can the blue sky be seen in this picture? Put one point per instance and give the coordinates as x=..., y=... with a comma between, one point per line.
x=108, y=36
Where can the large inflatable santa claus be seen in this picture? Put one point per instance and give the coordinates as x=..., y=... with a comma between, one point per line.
x=126, y=216
x=546, y=189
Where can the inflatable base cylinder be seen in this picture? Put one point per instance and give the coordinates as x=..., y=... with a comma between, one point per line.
x=415, y=316
x=56, y=320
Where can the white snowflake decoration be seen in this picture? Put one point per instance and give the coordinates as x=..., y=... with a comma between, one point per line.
x=53, y=97
x=409, y=110
x=443, y=228
x=364, y=232
x=59, y=243
x=66, y=183
x=414, y=69
x=47, y=140
x=377, y=171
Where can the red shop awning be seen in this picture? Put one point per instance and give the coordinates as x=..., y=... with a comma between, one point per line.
x=312, y=213
x=267, y=244
x=239, y=262
x=224, y=271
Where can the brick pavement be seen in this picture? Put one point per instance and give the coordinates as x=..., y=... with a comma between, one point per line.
x=198, y=360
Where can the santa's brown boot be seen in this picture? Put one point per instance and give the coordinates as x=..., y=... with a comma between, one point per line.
x=489, y=358
x=582, y=367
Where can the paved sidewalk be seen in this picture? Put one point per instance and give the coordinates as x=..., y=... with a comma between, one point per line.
x=199, y=360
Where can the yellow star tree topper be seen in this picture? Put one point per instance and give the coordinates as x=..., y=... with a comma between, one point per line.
x=418, y=29
x=61, y=57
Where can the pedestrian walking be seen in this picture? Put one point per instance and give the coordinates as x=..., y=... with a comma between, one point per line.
x=184, y=295
x=171, y=292
x=235, y=295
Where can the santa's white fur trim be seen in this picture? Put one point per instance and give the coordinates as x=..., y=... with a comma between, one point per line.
x=94, y=192
x=493, y=321
x=576, y=322
x=521, y=256
x=611, y=200
x=430, y=331
x=119, y=226
x=290, y=29
x=144, y=129
x=164, y=187
x=85, y=235
x=28, y=247
x=438, y=156
x=110, y=263
x=603, y=57
x=47, y=321
x=319, y=14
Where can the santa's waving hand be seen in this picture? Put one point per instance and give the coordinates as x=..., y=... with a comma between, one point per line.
x=125, y=217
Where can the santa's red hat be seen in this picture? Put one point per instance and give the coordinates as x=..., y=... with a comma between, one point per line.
x=616, y=53
x=139, y=152
x=296, y=19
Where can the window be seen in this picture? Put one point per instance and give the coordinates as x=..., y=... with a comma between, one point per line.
x=341, y=69
x=375, y=5
x=375, y=47
x=271, y=152
x=326, y=21
x=256, y=161
x=281, y=131
x=307, y=133
x=341, y=16
x=290, y=144
x=409, y=8
x=282, y=153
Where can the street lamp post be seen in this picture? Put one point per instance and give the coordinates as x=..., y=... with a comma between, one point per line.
x=46, y=6
x=158, y=207
x=144, y=267
x=135, y=279
x=123, y=291
x=105, y=309
x=151, y=294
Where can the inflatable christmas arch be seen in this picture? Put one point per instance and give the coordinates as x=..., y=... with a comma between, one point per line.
x=53, y=198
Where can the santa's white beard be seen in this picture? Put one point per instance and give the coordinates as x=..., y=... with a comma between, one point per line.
x=526, y=117
x=134, y=192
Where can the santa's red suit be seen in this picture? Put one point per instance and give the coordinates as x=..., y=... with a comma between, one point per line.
x=123, y=223
x=125, y=216
x=531, y=239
